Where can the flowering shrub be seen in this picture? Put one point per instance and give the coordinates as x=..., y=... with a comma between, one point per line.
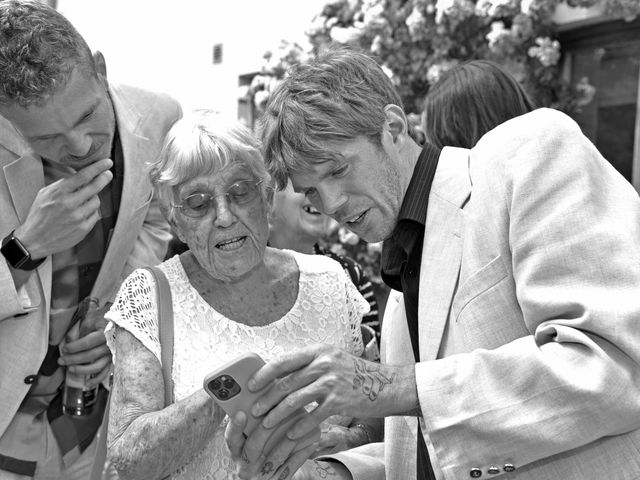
x=417, y=40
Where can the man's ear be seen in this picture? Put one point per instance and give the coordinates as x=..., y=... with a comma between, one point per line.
x=100, y=64
x=396, y=123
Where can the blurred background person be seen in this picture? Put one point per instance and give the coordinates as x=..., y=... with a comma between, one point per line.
x=231, y=294
x=297, y=225
x=469, y=100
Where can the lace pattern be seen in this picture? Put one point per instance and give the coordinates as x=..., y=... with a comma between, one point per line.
x=328, y=310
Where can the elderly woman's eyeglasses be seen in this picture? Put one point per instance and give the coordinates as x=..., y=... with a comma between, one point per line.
x=240, y=193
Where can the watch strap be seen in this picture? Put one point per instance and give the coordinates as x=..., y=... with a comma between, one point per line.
x=17, y=254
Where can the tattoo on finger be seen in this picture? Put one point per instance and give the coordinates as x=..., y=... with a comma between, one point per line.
x=325, y=470
x=267, y=468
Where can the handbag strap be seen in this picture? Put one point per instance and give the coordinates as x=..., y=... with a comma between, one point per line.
x=165, y=330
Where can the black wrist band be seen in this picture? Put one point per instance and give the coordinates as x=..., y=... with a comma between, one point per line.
x=17, y=255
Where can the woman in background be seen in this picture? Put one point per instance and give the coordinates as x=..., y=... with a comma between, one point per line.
x=296, y=225
x=468, y=101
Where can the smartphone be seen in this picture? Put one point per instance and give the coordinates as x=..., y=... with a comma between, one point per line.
x=227, y=386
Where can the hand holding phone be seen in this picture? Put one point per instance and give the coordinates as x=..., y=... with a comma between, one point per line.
x=228, y=387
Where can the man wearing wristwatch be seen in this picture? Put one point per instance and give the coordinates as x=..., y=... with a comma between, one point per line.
x=77, y=215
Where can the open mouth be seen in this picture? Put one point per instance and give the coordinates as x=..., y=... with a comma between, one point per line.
x=231, y=244
x=311, y=210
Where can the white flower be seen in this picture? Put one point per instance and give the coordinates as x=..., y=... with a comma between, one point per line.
x=373, y=14
x=443, y=7
x=498, y=31
x=376, y=45
x=525, y=6
x=260, y=98
x=547, y=51
x=437, y=69
x=345, y=35
x=415, y=21
x=388, y=72
x=491, y=7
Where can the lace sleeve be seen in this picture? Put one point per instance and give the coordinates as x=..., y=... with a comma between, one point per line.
x=357, y=306
x=134, y=309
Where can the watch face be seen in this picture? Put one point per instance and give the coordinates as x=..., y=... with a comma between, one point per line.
x=14, y=252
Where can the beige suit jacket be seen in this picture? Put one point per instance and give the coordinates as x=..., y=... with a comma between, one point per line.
x=140, y=236
x=529, y=315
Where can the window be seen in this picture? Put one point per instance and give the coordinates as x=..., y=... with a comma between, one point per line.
x=608, y=55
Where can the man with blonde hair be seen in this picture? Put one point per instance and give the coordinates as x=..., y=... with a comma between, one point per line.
x=511, y=346
x=77, y=215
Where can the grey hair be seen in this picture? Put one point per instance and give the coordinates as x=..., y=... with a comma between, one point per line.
x=203, y=143
x=39, y=49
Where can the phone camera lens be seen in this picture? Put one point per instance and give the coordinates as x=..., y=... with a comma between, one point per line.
x=223, y=394
x=215, y=385
x=228, y=383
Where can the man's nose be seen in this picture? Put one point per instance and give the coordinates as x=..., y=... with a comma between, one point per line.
x=78, y=144
x=331, y=199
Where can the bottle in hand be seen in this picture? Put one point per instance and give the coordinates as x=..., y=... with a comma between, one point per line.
x=77, y=398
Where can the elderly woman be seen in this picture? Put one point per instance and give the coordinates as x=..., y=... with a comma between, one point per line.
x=231, y=294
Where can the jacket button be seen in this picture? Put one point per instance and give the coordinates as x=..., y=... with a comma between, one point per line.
x=493, y=470
x=475, y=473
x=509, y=467
x=29, y=379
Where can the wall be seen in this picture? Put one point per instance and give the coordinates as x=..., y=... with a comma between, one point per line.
x=168, y=46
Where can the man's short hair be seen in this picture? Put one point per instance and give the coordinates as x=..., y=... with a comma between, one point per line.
x=39, y=49
x=338, y=96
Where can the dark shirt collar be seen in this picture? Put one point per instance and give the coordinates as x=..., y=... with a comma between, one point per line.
x=413, y=213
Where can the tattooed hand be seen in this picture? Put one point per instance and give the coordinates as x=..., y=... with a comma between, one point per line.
x=339, y=382
x=319, y=470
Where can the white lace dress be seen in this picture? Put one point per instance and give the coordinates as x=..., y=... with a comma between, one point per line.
x=328, y=309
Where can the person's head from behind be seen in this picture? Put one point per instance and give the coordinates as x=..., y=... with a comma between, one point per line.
x=469, y=100
x=51, y=88
x=295, y=223
x=336, y=127
x=215, y=191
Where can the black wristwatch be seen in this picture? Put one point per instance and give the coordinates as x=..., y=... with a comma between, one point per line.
x=17, y=255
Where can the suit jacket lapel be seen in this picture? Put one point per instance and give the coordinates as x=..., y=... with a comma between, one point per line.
x=442, y=248
x=134, y=187
x=25, y=178
x=25, y=175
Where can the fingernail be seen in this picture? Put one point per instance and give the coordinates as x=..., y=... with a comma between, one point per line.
x=60, y=361
x=251, y=384
x=256, y=410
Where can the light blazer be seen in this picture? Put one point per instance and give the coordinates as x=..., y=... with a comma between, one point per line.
x=140, y=236
x=529, y=314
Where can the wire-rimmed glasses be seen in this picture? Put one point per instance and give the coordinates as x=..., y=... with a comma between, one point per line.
x=240, y=193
